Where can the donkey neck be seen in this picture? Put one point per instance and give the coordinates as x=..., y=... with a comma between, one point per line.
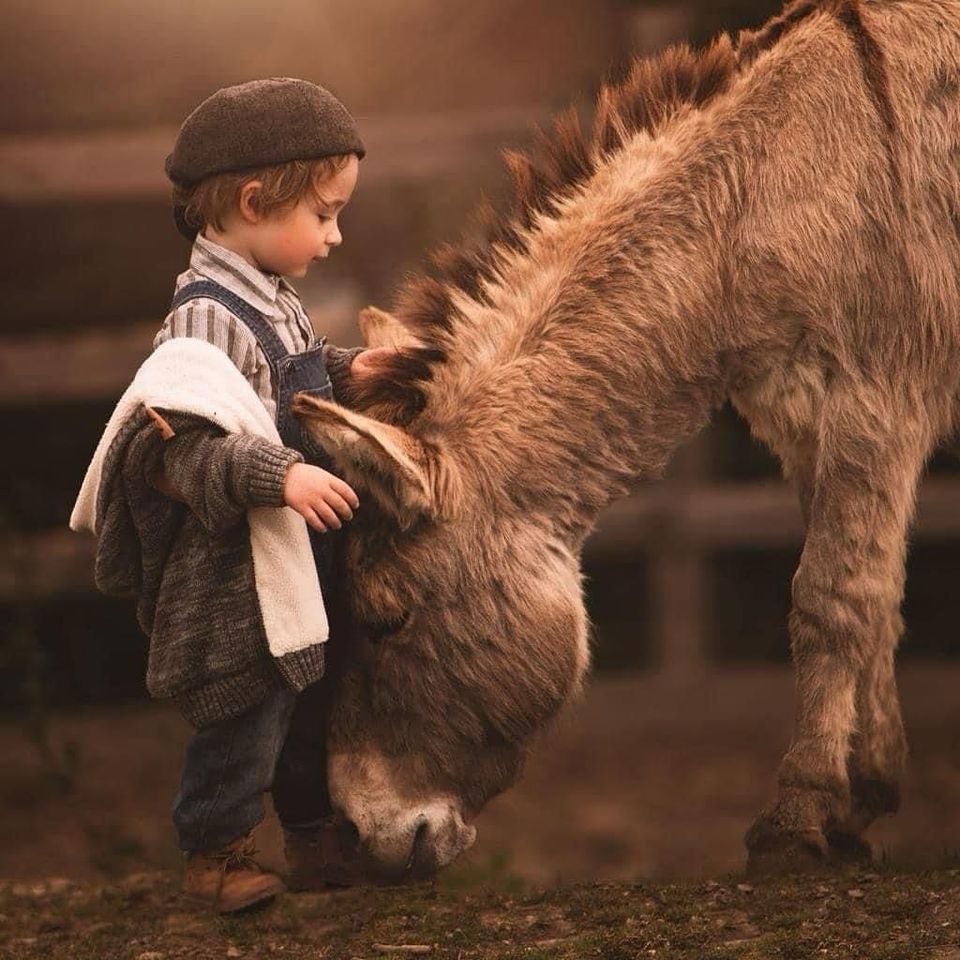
x=600, y=350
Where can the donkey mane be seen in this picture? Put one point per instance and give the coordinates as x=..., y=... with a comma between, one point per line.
x=654, y=92
x=751, y=43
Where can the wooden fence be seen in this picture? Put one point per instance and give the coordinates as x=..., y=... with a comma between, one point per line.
x=677, y=523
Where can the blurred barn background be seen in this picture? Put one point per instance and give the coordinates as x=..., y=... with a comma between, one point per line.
x=688, y=580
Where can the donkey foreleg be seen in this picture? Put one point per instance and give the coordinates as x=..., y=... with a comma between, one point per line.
x=879, y=748
x=848, y=583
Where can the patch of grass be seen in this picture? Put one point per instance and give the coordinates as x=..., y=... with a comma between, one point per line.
x=795, y=919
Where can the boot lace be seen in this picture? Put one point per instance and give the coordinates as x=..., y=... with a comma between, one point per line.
x=240, y=858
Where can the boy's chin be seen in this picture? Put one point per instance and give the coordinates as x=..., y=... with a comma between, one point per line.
x=296, y=273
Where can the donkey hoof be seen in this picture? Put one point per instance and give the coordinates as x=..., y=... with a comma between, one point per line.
x=849, y=848
x=772, y=852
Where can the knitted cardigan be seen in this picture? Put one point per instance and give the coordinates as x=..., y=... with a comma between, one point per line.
x=190, y=564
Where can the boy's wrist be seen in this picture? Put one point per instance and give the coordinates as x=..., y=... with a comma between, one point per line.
x=268, y=475
x=338, y=361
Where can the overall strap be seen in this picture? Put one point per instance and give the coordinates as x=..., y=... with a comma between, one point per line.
x=267, y=337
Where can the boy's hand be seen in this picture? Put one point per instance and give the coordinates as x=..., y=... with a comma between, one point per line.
x=369, y=363
x=322, y=499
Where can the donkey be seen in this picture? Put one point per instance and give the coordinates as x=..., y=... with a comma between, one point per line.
x=776, y=222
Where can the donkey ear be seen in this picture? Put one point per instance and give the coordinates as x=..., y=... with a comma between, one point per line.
x=382, y=329
x=382, y=459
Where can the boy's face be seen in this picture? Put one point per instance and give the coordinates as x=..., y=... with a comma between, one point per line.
x=288, y=243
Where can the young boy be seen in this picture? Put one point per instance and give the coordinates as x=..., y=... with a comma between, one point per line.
x=261, y=172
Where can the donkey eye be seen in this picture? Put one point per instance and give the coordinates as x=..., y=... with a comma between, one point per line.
x=385, y=628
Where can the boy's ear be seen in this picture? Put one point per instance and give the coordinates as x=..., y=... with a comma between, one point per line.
x=389, y=463
x=248, y=200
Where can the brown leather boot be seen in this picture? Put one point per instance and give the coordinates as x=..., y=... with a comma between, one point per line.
x=229, y=879
x=323, y=856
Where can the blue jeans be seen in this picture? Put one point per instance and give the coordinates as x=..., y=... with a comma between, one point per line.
x=229, y=765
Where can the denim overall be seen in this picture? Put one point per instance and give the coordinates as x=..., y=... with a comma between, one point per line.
x=229, y=765
x=292, y=373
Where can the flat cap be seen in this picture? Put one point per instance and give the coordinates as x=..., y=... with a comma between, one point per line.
x=258, y=124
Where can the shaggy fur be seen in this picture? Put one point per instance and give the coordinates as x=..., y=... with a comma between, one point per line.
x=776, y=224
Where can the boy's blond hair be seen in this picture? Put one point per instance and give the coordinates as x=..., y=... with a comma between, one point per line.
x=283, y=186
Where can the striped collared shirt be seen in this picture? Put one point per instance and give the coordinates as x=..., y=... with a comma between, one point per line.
x=209, y=320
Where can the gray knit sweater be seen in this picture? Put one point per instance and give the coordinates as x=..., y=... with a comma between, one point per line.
x=190, y=565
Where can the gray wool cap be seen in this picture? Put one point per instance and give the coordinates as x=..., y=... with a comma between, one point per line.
x=258, y=124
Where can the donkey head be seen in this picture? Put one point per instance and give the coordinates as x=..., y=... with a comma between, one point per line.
x=471, y=634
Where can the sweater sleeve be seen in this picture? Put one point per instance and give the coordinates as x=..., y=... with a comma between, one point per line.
x=221, y=475
x=338, y=361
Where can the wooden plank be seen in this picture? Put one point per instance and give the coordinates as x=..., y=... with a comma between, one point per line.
x=129, y=163
x=756, y=515
x=98, y=364
x=760, y=514
x=750, y=516
x=90, y=365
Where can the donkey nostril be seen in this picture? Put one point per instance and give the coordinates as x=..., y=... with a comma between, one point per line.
x=418, y=839
x=349, y=835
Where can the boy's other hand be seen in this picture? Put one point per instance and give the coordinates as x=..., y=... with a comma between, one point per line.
x=370, y=362
x=322, y=499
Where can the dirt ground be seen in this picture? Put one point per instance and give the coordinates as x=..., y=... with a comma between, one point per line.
x=876, y=915
x=623, y=840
